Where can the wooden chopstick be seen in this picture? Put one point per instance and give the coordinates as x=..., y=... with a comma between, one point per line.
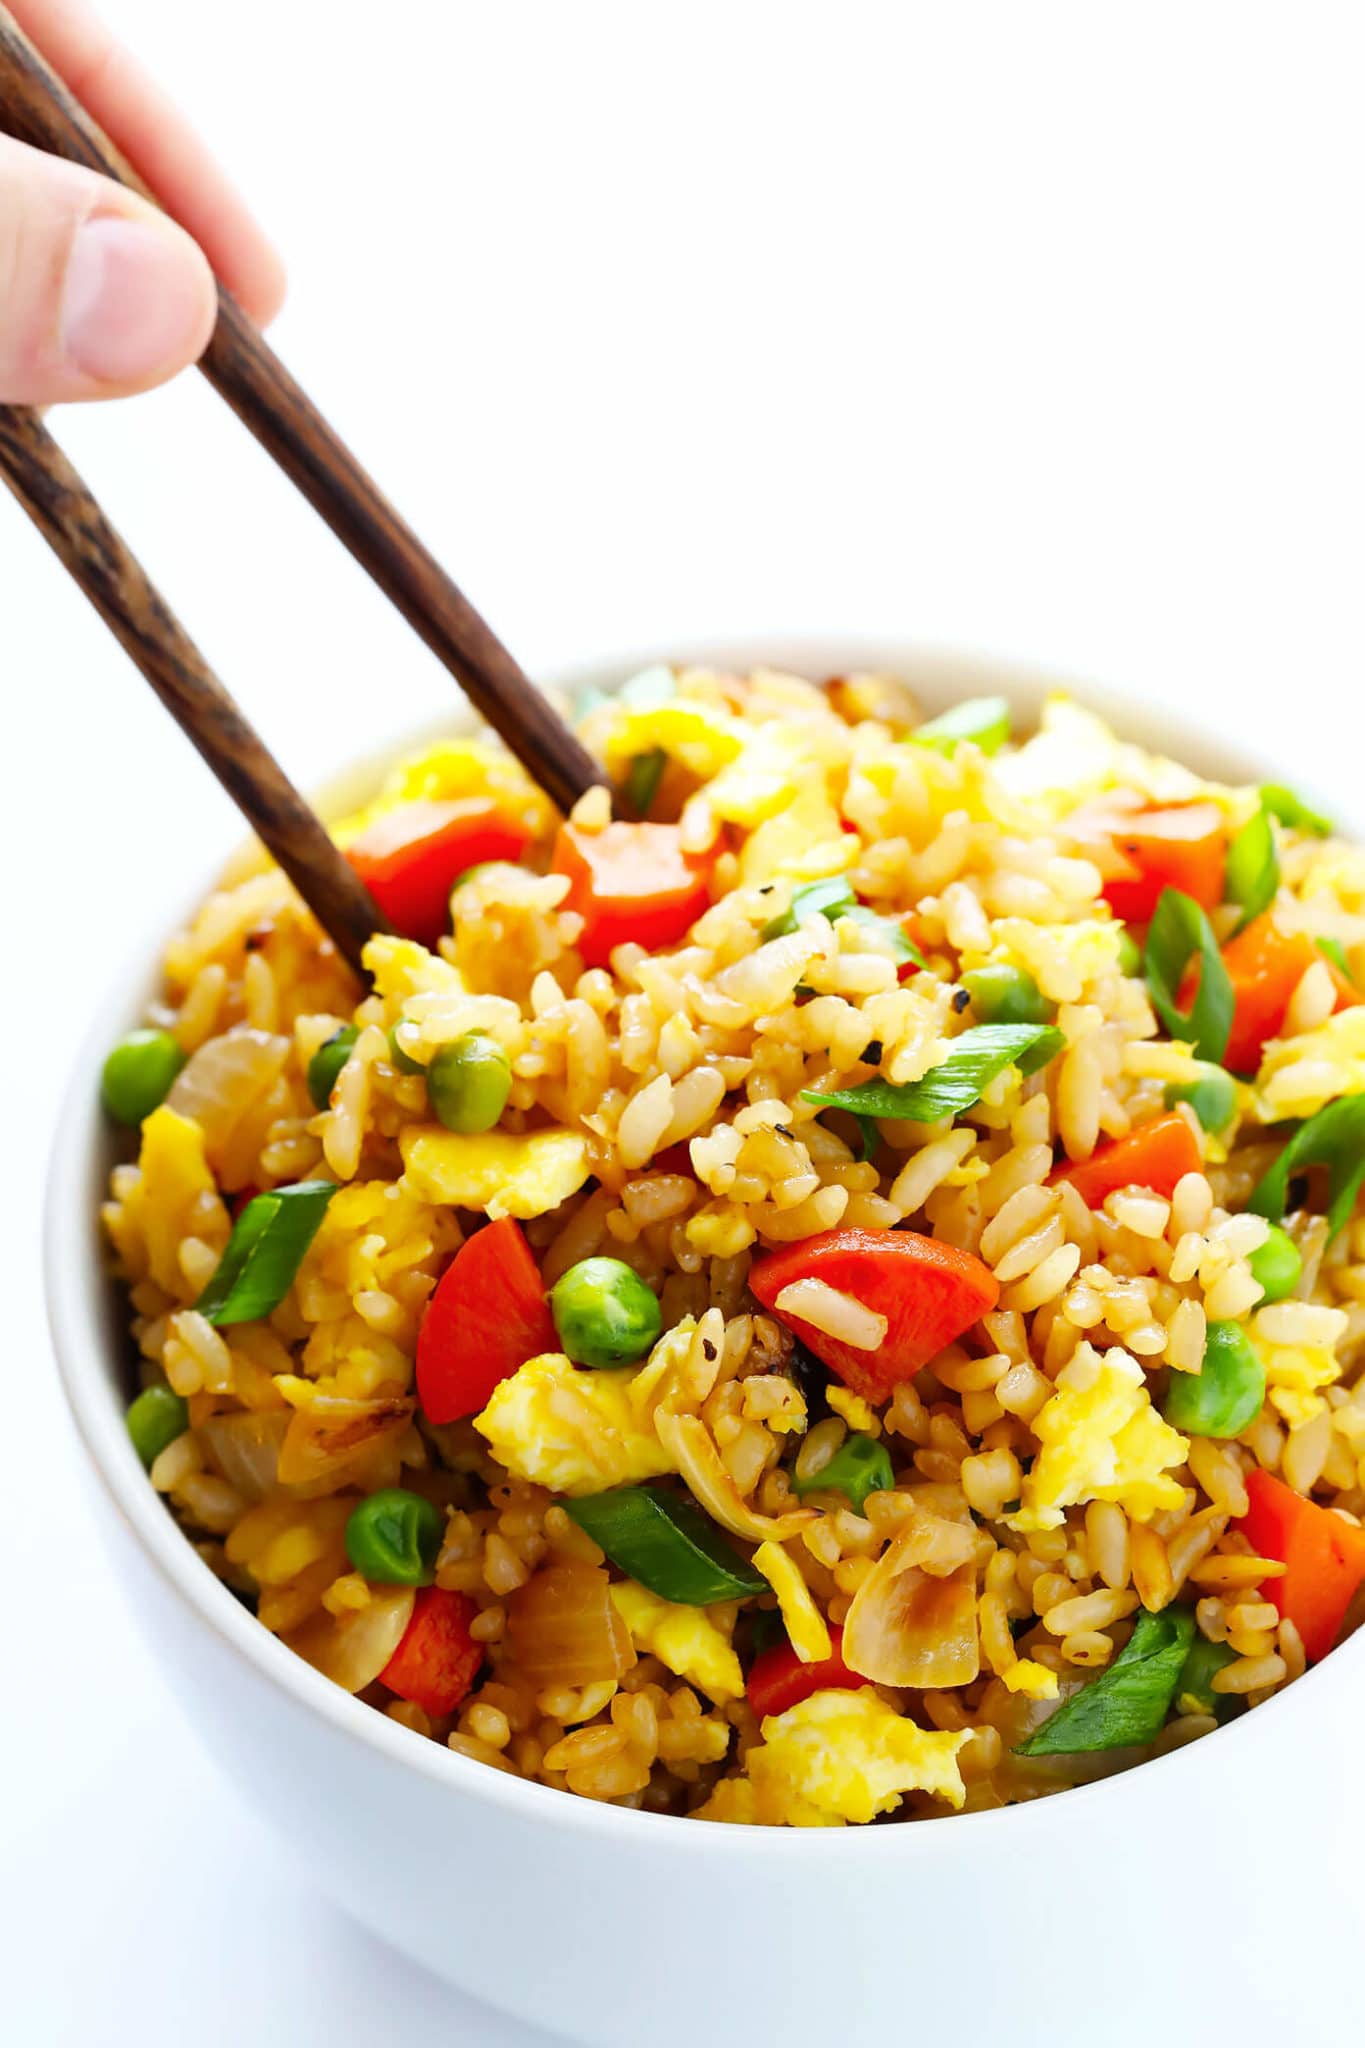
x=36, y=107
x=63, y=509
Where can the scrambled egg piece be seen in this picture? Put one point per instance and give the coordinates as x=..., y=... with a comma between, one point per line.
x=702, y=736
x=1101, y=1440
x=1035, y=1681
x=836, y=1757
x=402, y=968
x=805, y=1625
x=804, y=839
x=498, y=1172
x=155, y=1218
x=449, y=769
x=1300, y=1075
x=686, y=1639
x=857, y=1413
x=1062, y=958
x=574, y=1432
x=1293, y=1374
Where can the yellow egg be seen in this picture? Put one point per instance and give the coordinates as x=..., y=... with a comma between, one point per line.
x=1300, y=1075
x=573, y=1431
x=806, y=1628
x=847, y=1756
x=1293, y=1374
x=1035, y=1681
x=498, y=1172
x=702, y=736
x=684, y=1638
x=1101, y=1440
x=155, y=1216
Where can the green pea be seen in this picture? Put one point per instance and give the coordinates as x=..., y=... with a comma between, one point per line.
x=469, y=1082
x=394, y=1536
x=156, y=1418
x=1213, y=1097
x=1006, y=995
x=604, y=1313
x=1194, y=1693
x=1276, y=1265
x=138, y=1074
x=1130, y=953
x=1227, y=1394
x=859, y=1467
x=327, y=1062
x=404, y=1061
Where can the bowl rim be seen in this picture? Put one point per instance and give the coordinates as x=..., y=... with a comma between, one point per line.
x=70, y=1234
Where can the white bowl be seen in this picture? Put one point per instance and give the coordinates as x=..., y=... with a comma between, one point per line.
x=1097, y=1910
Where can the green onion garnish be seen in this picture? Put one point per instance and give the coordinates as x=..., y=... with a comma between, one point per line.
x=264, y=1252
x=1334, y=1138
x=1336, y=953
x=983, y=720
x=977, y=1057
x=1178, y=930
x=1252, y=876
x=1293, y=811
x=831, y=896
x=1128, y=1703
x=643, y=777
x=859, y=1467
x=666, y=1544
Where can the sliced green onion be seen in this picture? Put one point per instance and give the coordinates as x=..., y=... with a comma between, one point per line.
x=264, y=1252
x=983, y=720
x=393, y=1537
x=1228, y=1391
x=902, y=946
x=1334, y=1138
x=1128, y=1703
x=1213, y=1097
x=1194, y=1693
x=1293, y=811
x=1179, y=930
x=666, y=1544
x=1336, y=953
x=860, y=1466
x=1130, y=953
x=1006, y=995
x=977, y=1057
x=870, y=1135
x=156, y=1418
x=832, y=897
x=643, y=777
x=1252, y=876
x=327, y=1063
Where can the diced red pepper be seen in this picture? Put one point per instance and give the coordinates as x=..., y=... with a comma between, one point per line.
x=631, y=881
x=674, y=1159
x=437, y=1660
x=1265, y=966
x=1156, y=1156
x=410, y=857
x=487, y=1317
x=929, y=1293
x=1140, y=853
x=780, y=1680
x=1324, y=1556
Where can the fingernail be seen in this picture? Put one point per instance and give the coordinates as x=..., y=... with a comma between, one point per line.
x=133, y=303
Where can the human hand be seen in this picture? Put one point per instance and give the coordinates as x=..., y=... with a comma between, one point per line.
x=100, y=293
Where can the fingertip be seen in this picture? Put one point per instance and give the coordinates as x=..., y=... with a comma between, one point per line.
x=139, y=302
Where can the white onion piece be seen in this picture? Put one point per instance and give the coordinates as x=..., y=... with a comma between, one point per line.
x=334, y=1436
x=905, y=1627
x=688, y=1442
x=246, y=1448
x=218, y=1084
x=353, y=1649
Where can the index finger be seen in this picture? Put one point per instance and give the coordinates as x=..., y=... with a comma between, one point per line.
x=161, y=146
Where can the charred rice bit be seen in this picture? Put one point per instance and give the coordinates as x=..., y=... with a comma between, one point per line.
x=1033, y=1487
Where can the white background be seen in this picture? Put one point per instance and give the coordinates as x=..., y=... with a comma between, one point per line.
x=1034, y=329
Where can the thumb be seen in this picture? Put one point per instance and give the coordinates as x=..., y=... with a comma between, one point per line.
x=100, y=294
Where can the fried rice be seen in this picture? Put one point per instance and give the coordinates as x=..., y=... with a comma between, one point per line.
x=1033, y=1508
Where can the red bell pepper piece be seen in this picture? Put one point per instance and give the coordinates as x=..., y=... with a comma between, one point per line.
x=1265, y=966
x=1156, y=1156
x=631, y=881
x=1140, y=853
x=488, y=1316
x=435, y=1664
x=929, y=1293
x=410, y=857
x=779, y=1679
x=1324, y=1556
